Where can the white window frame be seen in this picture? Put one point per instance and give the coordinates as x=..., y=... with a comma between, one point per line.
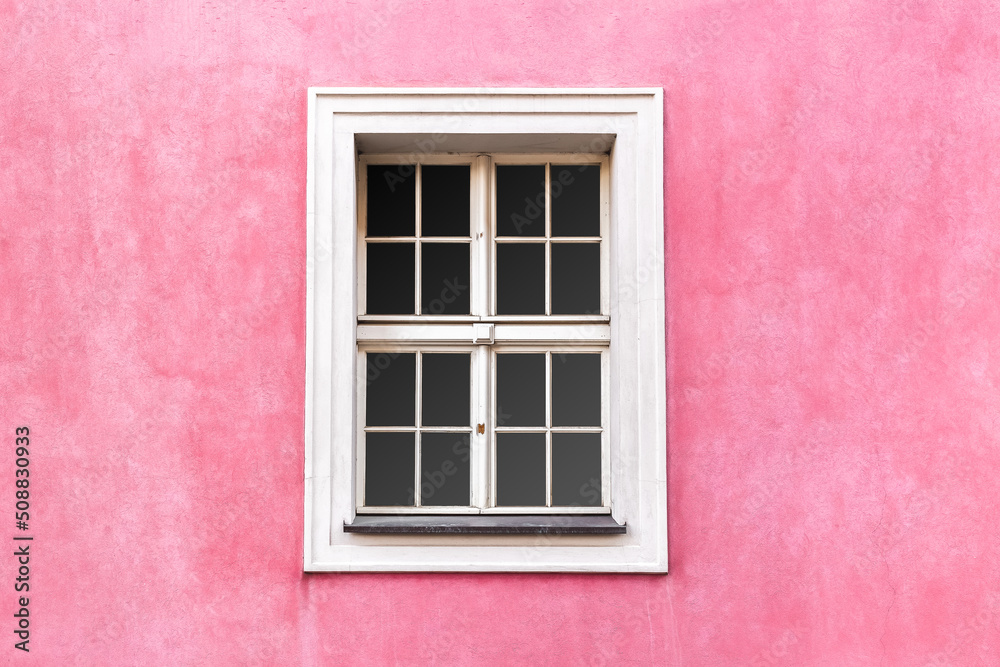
x=625, y=123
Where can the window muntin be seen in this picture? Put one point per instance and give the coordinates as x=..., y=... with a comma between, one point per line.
x=549, y=209
x=416, y=231
x=416, y=445
x=548, y=419
x=550, y=236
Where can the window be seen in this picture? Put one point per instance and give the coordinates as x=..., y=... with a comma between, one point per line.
x=480, y=391
x=485, y=284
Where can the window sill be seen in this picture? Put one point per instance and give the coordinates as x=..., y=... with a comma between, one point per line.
x=498, y=524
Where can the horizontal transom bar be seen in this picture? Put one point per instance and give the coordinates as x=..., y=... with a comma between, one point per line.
x=451, y=333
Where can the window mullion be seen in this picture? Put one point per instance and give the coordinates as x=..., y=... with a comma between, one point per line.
x=479, y=443
x=548, y=240
x=491, y=436
x=481, y=235
x=417, y=260
x=548, y=429
x=418, y=421
x=480, y=278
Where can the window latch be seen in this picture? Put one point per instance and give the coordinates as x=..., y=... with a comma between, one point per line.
x=481, y=429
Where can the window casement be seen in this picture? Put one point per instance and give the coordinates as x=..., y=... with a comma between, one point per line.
x=485, y=331
x=483, y=335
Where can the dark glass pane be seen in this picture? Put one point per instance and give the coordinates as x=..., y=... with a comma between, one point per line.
x=390, y=279
x=521, y=200
x=576, y=389
x=576, y=469
x=392, y=200
x=576, y=200
x=521, y=469
x=576, y=278
x=390, y=399
x=444, y=469
x=444, y=207
x=444, y=283
x=389, y=466
x=520, y=278
x=520, y=390
x=445, y=395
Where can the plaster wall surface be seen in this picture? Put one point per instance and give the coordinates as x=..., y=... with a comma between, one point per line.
x=833, y=255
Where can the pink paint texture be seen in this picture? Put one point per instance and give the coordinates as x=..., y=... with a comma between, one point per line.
x=833, y=259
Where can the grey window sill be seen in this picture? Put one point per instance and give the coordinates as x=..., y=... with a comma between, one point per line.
x=485, y=524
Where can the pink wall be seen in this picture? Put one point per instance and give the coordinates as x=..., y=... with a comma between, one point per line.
x=833, y=252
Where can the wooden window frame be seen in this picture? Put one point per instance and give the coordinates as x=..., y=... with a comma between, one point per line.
x=423, y=333
x=624, y=127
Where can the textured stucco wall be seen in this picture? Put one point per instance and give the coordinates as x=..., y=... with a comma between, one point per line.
x=833, y=257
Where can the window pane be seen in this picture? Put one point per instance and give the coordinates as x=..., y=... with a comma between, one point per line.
x=521, y=200
x=576, y=469
x=390, y=279
x=521, y=469
x=576, y=389
x=444, y=195
x=445, y=392
x=444, y=469
x=520, y=279
x=576, y=200
x=520, y=390
x=444, y=282
x=576, y=278
x=392, y=200
x=389, y=466
x=390, y=399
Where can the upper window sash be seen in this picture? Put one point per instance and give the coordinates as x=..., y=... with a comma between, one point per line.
x=484, y=239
